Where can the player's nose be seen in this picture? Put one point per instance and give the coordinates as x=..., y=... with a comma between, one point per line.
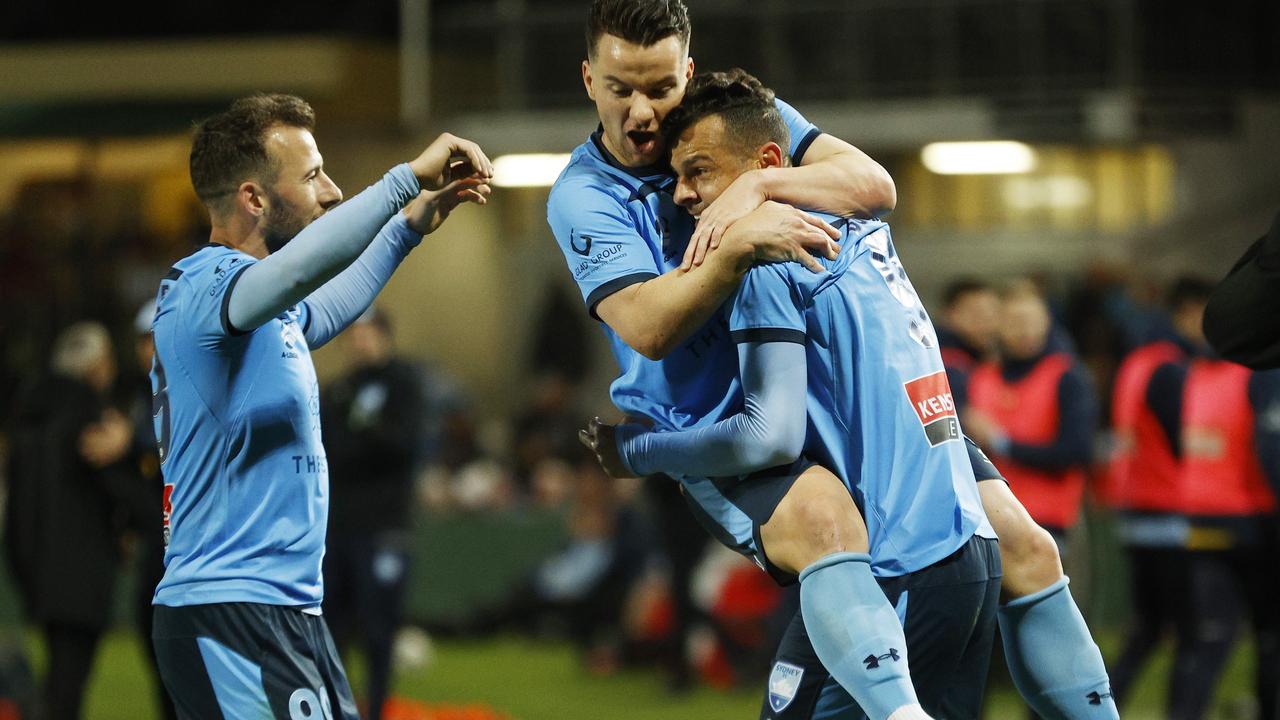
x=330, y=193
x=642, y=110
x=685, y=196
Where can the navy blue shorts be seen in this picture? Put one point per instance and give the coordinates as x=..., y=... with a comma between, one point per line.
x=948, y=612
x=246, y=660
x=733, y=509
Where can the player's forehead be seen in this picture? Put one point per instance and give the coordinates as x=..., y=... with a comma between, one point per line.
x=293, y=148
x=640, y=65
x=704, y=138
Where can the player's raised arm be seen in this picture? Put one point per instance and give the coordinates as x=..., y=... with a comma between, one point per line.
x=333, y=241
x=337, y=303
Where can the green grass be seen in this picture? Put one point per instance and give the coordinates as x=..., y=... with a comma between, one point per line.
x=538, y=680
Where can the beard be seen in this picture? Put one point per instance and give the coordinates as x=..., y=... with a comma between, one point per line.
x=283, y=223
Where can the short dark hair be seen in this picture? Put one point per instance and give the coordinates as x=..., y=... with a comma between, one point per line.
x=751, y=118
x=1187, y=289
x=643, y=22
x=957, y=289
x=229, y=147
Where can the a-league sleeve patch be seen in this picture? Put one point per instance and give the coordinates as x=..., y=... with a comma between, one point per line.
x=930, y=397
x=784, y=682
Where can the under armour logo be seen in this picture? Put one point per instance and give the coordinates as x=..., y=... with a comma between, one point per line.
x=1095, y=698
x=873, y=661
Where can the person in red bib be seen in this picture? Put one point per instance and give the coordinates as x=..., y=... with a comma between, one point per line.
x=1229, y=474
x=1144, y=474
x=1035, y=410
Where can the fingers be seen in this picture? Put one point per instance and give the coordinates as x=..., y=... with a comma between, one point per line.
x=811, y=262
x=475, y=156
x=590, y=436
x=822, y=225
x=687, y=263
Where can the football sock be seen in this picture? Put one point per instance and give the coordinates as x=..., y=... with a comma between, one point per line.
x=857, y=635
x=1053, y=660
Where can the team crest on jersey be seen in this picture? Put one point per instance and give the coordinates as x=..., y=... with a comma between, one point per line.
x=930, y=397
x=784, y=683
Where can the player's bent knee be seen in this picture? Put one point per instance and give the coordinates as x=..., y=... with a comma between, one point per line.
x=816, y=518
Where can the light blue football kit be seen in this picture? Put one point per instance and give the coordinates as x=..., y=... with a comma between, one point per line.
x=246, y=483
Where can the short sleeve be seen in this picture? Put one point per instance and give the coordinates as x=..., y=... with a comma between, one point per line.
x=803, y=132
x=601, y=244
x=767, y=307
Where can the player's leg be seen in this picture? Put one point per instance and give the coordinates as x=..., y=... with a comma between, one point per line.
x=1260, y=588
x=1052, y=658
x=817, y=532
x=800, y=688
x=949, y=617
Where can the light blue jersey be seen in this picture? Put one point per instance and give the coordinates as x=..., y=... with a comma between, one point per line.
x=880, y=412
x=238, y=425
x=618, y=226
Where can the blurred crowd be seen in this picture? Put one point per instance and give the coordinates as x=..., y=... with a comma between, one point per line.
x=1042, y=369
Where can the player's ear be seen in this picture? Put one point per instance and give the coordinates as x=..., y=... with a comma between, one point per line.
x=688, y=71
x=251, y=198
x=769, y=156
x=586, y=78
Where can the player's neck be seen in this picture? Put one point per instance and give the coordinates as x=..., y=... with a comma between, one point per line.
x=246, y=240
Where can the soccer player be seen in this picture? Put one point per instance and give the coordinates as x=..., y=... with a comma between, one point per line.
x=238, y=631
x=624, y=239
x=629, y=248
x=856, y=341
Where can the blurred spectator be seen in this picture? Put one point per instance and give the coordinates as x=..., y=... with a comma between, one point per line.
x=373, y=428
x=1242, y=320
x=1143, y=479
x=968, y=333
x=546, y=439
x=1034, y=410
x=67, y=495
x=1230, y=471
x=147, y=494
x=586, y=587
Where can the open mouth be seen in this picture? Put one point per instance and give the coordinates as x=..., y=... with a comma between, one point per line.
x=643, y=141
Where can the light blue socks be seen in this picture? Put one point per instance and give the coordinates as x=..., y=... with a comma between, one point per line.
x=856, y=633
x=1054, y=662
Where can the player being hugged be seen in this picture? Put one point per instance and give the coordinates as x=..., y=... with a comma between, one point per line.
x=238, y=631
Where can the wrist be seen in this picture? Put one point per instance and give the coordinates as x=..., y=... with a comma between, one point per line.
x=764, y=182
x=625, y=438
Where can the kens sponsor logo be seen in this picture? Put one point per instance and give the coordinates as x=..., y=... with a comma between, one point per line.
x=931, y=398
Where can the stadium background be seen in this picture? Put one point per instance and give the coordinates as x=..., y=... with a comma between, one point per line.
x=1155, y=126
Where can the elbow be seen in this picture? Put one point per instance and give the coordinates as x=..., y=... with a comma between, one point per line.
x=884, y=192
x=778, y=448
x=653, y=345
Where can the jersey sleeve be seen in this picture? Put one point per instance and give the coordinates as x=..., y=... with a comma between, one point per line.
x=803, y=132
x=767, y=308
x=604, y=250
x=204, y=310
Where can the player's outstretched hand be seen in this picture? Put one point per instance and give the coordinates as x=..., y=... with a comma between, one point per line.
x=599, y=439
x=431, y=208
x=450, y=158
x=737, y=201
x=780, y=233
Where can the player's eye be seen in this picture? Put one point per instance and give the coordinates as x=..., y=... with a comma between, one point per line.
x=660, y=93
x=620, y=91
